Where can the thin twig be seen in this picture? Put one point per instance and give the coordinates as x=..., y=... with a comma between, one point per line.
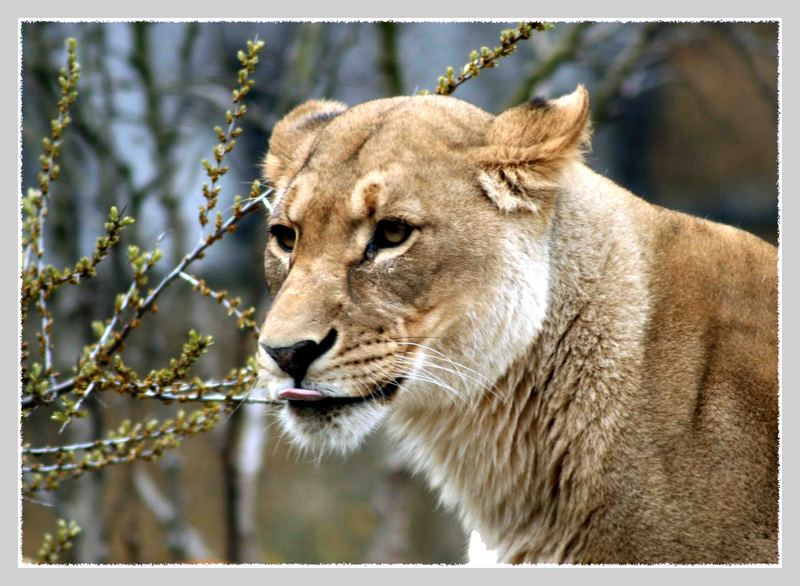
x=98, y=443
x=210, y=398
x=488, y=58
x=565, y=52
x=100, y=344
x=177, y=393
x=47, y=339
x=87, y=466
x=245, y=319
x=68, y=80
x=197, y=252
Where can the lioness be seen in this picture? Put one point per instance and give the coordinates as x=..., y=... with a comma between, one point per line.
x=586, y=377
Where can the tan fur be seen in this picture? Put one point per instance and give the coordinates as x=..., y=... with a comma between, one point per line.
x=588, y=378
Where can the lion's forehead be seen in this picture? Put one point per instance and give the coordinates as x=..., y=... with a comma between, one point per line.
x=390, y=191
x=411, y=130
x=384, y=153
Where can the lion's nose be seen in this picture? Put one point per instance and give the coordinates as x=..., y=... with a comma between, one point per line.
x=294, y=360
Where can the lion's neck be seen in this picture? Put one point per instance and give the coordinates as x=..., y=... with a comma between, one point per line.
x=524, y=464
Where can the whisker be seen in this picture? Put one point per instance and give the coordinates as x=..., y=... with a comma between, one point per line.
x=420, y=338
x=487, y=385
x=425, y=376
x=431, y=377
x=477, y=376
x=461, y=375
x=374, y=381
x=447, y=358
x=368, y=389
x=394, y=372
x=452, y=393
x=386, y=372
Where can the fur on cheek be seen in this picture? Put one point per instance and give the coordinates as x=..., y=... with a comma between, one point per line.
x=502, y=325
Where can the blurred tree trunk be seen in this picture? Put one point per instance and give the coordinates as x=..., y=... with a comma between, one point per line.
x=184, y=542
x=85, y=496
x=389, y=64
x=230, y=480
x=242, y=459
x=131, y=530
x=393, y=500
x=249, y=461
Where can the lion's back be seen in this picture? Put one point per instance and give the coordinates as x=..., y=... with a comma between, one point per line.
x=710, y=385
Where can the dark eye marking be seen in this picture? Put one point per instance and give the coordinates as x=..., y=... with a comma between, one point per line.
x=388, y=234
x=285, y=236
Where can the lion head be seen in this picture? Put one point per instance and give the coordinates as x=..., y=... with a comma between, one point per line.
x=408, y=254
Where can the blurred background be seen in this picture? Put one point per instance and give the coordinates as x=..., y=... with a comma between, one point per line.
x=685, y=116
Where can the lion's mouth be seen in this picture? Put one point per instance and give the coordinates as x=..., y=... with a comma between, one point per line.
x=302, y=399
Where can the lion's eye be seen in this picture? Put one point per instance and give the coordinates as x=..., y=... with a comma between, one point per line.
x=389, y=233
x=284, y=236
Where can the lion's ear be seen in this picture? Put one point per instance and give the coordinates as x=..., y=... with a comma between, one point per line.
x=293, y=136
x=528, y=147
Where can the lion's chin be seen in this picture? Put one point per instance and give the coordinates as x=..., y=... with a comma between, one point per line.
x=338, y=428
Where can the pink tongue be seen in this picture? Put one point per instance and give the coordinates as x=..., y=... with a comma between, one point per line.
x=301, y=395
